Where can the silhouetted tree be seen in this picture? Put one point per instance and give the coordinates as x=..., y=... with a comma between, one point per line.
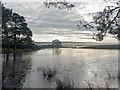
x=107, y=21
x=15, y=32
x=59, y=4
x=56, y=42
x=6, y=14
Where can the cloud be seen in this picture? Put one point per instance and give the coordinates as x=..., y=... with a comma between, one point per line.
x=48, y=24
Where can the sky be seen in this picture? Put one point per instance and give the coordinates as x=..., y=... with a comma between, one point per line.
x=48, y=24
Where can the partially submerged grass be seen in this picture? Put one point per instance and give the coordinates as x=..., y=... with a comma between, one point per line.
x=90, y=86
x=110, y=76
x=48, y=72
x=68, y=84
x=99, y=87
x=65, y=83
x=4, y=50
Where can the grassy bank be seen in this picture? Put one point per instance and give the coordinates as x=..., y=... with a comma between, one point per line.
x=101, y=47
x=83, y=46
x=4, y=50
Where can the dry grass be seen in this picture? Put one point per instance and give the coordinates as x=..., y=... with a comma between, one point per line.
x=65, y=83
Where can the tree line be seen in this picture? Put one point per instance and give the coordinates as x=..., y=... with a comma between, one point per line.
x=15, y=32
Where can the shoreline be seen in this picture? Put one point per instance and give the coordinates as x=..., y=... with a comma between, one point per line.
x=83, y=46
x=99, y=47
x=4, y=50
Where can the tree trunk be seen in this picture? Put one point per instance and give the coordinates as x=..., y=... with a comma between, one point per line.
x=14, y=55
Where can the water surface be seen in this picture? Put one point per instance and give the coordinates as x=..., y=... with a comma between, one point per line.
x=80, y=65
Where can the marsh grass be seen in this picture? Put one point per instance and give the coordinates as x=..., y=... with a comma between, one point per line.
x=48, y=72
x=110, y=76
x=64, y=84
x=99, y=87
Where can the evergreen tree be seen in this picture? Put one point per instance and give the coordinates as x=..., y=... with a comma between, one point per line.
x=15, y=32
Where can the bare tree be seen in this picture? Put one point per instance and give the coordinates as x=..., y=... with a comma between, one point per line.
x=107, y=21
x=59, y=4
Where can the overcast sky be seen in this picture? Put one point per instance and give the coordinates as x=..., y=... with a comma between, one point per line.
x=48, y=24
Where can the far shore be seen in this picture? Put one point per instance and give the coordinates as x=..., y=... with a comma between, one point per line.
x=84, y=46
x=4, y=50
x=99, y=47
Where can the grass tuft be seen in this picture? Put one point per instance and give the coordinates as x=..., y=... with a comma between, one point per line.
x=48, y=72
x=65, y=83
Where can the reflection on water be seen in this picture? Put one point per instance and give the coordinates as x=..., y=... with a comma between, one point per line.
x=0, y=71
x=14, y=69
x=56, y=51
x=92, y=65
